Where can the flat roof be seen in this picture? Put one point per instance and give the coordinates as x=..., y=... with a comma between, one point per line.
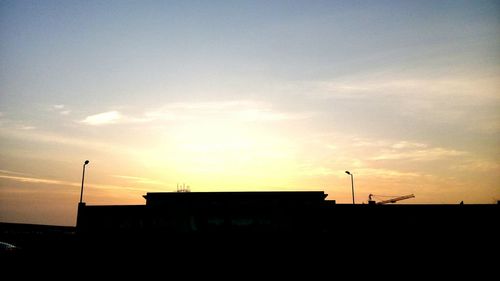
x=249, y=194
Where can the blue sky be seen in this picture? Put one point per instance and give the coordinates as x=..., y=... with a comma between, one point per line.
x=247, y=95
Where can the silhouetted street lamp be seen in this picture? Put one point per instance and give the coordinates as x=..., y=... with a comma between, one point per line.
x=352, y=185
x=83, y=177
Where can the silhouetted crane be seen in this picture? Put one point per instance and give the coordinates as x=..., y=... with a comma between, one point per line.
x=392, y=200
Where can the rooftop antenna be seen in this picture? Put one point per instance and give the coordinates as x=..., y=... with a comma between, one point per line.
x=183, y=188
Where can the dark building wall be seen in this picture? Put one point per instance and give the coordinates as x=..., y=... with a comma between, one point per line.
x=208, y=212
x=106, y=219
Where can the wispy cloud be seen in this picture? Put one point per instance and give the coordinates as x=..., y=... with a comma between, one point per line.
x=15, y=125
x=139, y=180
x=406, y=144
x=364, y=142
x=61, y=108
x=269, y=115
x=418, y=155
x=446, y=100
x=386, y=173
x=47, y=137
x=215, y=106
x=477, y=165
x=234, y=110
x=28, y=127
x=245, y=111
x=402, y=150
x=13, y=173
x=403, y=144
x=36, y=180
x=416, y=87
x=316, y=170
x=104, y=118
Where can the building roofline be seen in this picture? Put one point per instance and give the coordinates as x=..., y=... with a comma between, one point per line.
x=285, y=193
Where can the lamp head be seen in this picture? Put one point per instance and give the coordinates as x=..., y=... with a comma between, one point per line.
x=347, y=172
x=86, y=162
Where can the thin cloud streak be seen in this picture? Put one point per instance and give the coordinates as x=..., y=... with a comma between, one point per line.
x=28, y=127
x=13, y=173
x=406, y=144
x=45, y=137
x=61, y=108
x=251, y=111
x=139, y=180
x=110, y=117
x=402, y=150
x=245, y=111
x=390, y=87
x=477, y=165
x=387, y=173
x=449, y=100
x=35, y=180
x=418, y=155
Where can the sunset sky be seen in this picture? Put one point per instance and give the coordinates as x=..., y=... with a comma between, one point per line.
x=246, y=96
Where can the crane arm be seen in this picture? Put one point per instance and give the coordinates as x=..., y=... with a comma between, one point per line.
x=394, y=200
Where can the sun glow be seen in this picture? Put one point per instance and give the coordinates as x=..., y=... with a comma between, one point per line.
x=223, y=154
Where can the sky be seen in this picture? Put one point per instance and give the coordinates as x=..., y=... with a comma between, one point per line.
x=246, y=96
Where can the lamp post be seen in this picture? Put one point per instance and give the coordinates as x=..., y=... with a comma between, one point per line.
x=83, y=177
x=352, y=185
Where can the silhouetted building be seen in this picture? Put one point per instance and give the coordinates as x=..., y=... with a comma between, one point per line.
x=306, y=217
x=275, y=225
x=188, y=212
